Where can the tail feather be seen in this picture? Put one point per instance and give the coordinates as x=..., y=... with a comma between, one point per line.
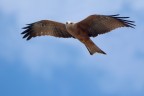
x=92, y=48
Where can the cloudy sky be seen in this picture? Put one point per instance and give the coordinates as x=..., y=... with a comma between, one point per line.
x=48, y=66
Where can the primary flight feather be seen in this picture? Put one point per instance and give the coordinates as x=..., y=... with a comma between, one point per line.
x=91, y=26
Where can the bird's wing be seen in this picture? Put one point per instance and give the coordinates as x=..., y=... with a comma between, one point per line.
x=45, y=27
x=100, y=24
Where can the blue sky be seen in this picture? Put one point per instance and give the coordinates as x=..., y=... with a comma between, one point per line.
x=48, y=66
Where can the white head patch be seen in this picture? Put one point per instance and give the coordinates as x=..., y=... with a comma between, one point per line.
x=69, y=22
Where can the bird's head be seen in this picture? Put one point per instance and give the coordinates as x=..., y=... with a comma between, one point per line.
x=69, y=23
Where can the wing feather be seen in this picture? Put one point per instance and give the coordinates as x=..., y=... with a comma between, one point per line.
x=100, y=24
x=45, y=27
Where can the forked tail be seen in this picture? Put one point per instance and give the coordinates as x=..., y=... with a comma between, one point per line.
x=92, y=48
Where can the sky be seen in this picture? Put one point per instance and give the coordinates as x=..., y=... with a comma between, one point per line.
x=49, y=66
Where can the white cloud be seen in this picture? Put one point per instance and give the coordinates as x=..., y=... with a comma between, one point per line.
x=45, y=9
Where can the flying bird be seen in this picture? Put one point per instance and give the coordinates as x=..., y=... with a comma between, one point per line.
x=91, y=26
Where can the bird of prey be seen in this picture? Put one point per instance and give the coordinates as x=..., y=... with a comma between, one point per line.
x=91, y=26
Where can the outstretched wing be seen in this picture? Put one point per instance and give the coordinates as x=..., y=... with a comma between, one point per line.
x=100, y=24
x=45, y=27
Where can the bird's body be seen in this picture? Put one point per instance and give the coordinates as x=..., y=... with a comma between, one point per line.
x=90, y=27
x=83, y=37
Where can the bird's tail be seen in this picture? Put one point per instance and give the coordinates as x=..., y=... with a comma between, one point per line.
x=92, y=48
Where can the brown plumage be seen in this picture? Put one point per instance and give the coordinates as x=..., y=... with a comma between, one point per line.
x=91, y=26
